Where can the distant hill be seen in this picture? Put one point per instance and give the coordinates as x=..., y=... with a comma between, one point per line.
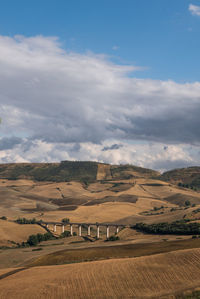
x=89, y=171
x=83, y=171
x=56, y=172
x=185, y=177
x=130, y=171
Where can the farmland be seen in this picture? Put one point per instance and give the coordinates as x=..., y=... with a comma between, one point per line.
x=93, y=192
x=143, y=277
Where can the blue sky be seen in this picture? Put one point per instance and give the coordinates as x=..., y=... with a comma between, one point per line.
x=106, y=80
x=161, y=36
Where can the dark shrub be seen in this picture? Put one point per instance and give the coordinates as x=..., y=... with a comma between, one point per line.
x=65, y=220
x=65, y=234
x=32, y=240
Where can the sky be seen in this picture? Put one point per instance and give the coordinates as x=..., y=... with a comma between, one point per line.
x=110, y=81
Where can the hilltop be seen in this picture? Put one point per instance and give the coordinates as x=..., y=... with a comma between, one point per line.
x=72, y=171
x=188, y=177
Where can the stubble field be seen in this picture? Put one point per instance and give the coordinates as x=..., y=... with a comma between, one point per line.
x=154, y=276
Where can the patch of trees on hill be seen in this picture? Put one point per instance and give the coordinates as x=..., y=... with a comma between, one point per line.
x=188, y=186
x=122, y=171
x=56, y=172
x=34, y=240
x=189, y=177
x=26, y=221
x=175, y=228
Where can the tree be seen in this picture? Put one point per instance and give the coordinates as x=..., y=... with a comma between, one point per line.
x=65, y=220
x=187, y=203
x=65, y=234
x=32, y=240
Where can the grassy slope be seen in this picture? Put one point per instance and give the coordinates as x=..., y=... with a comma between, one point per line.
x=142, y=277
x=71, y=171
x=131, y=171
x=110, y=201
x=117, y=251
x=190, y=175
x=17, y=233
x=114, y=200
x=58, y=172
x=91, y=171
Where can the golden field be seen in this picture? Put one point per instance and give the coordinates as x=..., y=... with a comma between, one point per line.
x=117, y=201
x=158, y=276
x=10, y=231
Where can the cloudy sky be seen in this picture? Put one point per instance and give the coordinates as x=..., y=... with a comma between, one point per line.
x=111, y=81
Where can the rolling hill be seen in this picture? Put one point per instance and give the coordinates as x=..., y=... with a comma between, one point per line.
x=96, y=192
x=92, y=192
x=189, y=177
x=72, y=171
x=166, y=275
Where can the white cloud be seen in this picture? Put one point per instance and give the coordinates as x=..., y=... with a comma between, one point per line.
x=194, y=9
x=157, y=156
x=58, y=105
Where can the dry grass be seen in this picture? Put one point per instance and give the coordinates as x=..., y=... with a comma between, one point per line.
x=113, y=251
x=54, y=201
x=143, y=277
x=103, y=172
x=108, y=212
x=4, y=271
x=16, y=232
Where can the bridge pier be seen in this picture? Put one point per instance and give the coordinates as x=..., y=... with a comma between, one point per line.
x=79, y=230
x=71, y=230
x=53, y=227
x=98, y=232
x=88, y=230
x=117, y=229
x=107, y=232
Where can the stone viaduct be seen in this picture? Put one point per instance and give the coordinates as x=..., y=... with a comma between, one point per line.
x=88, y=225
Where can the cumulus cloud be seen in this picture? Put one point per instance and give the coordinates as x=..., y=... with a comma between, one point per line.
x=194, y=9
x=60, y=105
x=156, y=156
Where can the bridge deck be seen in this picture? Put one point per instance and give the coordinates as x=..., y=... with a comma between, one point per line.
x=85, y=223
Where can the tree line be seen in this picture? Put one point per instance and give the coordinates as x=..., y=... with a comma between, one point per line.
x=177, y=228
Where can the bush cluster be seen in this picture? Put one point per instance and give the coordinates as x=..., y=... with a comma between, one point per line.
x=176, y=228
x=113, y=238
x=65, y=234
x=65, y=220
x=189, y=186
x=26, y=221
x=34, y=240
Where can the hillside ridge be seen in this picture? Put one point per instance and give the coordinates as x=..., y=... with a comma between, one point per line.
x=83, y=171
x=91, y=171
